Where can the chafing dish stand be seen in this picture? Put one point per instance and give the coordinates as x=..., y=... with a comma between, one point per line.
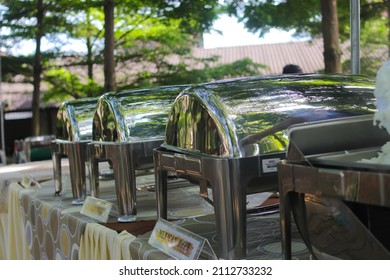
x=322, y=175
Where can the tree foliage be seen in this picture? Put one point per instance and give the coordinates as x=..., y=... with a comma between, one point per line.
x=65, y=84
x=32, y=20
x=182, y=74
x=305, y=17
x=302, y=16
x=153, y=43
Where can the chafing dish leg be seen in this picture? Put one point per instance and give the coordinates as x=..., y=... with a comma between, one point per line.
x=57, y=174
x=161, y=180
x=125, y=180
x=285, y=186
x=93, y=169
x=230, y=212
x=76, y=156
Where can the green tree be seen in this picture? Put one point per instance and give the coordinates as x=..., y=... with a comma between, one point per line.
x=330, y=34
x=309, y=18
x=181, y=73
x=182, y=17
x=153, y=43
x=101, y=17
x=31, y=20
x=373, y=51
x=87, y=28
x=109, y=46
x=303, y=16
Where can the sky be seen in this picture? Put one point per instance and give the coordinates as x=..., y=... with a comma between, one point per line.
x=235, y=34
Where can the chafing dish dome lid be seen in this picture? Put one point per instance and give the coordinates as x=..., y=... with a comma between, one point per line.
x=249, y=116
x=134, y=115
x=74, y=119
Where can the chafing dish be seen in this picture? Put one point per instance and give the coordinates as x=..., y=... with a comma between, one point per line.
x=229, y=136
x=38, y=147
x=127, y=126
x=339, y=199
x=73, y=132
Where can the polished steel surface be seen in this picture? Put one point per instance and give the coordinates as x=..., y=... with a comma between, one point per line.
x=316, y=139
x=249, y=116
x=135, y=115
x=317, y=191
x=76, y=154
x=74, y=120
x=73, y=132
x=127, y=126
x=229, y=136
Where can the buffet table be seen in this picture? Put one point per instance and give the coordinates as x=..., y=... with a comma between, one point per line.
x=12, y=238
x=36, y=224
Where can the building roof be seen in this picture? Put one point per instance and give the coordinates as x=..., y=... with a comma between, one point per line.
x=307, y=54
x=16, y=95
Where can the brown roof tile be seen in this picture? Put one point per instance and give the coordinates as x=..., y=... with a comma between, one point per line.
x=307, y=54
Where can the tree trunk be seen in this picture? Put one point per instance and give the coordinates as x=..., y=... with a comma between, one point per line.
x=109, y=44
x=89, y=47
x=89, y=54
x=330, y=31
x=37, y=71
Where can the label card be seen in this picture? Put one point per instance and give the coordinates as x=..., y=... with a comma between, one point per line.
x=270, y=165
x=178, y=242
x=96, y=208
x=28, y=181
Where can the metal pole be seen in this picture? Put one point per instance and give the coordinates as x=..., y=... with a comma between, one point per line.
x=2, y=116
x=355, y=36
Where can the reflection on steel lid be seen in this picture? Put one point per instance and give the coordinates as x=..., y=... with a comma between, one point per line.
x=249, y=116
x=74, y=120
x=134, y=115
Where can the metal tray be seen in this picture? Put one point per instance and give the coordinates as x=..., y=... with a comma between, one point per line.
x=350, y=160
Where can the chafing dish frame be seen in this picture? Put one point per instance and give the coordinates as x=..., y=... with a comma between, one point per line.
x=42, y=141
x=126, y=156
x=230, y=180
x=76, y=154
x=337, y=180
x=125, y=159
x=72, y=144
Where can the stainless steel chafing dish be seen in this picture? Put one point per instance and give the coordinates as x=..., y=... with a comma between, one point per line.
x=230, y=135
x=340, y=201
x=37, y=147
x=73, y=132
x=127, y=126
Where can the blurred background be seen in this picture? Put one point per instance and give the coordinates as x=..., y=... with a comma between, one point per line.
x=53, y=51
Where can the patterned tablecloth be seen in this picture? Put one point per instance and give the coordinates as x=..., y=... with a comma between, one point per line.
x=53, y=226
x=12, y=237
x=263, y=239
x=38, y=225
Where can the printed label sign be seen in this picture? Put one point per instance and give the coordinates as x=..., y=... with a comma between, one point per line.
x=270, y=165
x=178, y=242
x=96, y=208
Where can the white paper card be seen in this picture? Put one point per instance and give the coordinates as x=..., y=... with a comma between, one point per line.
x=270, y=165
x=177, y=242
x=96, y=208
x=28, y=181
